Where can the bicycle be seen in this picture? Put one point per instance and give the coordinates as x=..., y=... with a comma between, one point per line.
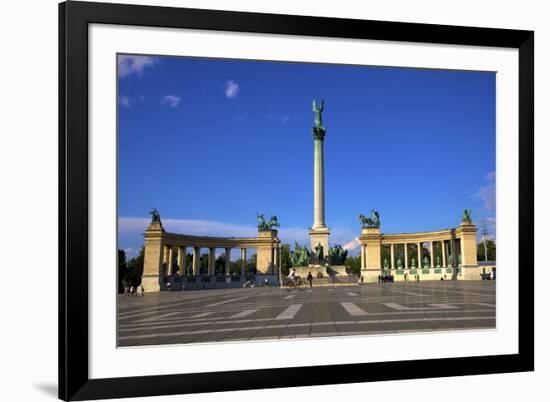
x=296, y=283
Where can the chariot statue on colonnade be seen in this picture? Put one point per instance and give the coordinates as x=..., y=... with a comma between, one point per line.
x=270, y=225
x=372, y=222
x=155, y=216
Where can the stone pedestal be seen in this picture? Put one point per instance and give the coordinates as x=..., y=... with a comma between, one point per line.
x=265, y=257
x=153, y=258
x=371, y=264
x=321, y=236
x=468, y=249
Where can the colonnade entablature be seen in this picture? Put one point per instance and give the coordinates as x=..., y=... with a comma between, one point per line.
x=446, y=253
x=162, y=248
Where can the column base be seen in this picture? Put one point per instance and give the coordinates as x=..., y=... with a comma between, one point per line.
x=470, y=272
x=151, y=283
x=370, y=275
x=319, y=235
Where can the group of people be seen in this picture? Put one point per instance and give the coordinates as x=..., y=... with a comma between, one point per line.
x=385, y=278
x=390, y=278
x=134, y=291
x=292, y=277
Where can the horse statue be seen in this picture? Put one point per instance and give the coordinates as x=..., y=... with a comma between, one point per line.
x=467, y=216
x=372, y=222
x=337, y=255
x=300, y=256
x=155, y=216
x=262, y=225
x=273, y=223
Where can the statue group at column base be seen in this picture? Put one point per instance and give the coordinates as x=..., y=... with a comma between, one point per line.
x=322, y=271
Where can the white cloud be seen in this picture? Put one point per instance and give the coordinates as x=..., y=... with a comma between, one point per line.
x=124, y=100
x=488, y=193
x=284, y=119
x=171, y=100
x=231, y=89
x=133, y=64
x=352, y=245
x=241, y=117
x=490, y=176
x=490, y=225
x=128, y=101
x=131, y=252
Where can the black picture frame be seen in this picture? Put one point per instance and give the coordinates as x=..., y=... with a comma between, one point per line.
x=74, y=18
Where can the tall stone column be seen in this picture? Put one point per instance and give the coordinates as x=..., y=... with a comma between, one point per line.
x=319, y=232
x=432, y=257
x=443, y=254
x=363, y=262
x=211, y=261
x=392, y=256
x=227, y=259
x=419, y=252
x=196, y=260
x=318, y=181
x=406, y=254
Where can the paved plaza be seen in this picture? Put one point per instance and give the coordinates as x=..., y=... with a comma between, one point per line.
x=274, y=313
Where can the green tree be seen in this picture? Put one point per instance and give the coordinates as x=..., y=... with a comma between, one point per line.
x=122, y=271
x=252, y=264
x=354, y=263
x=219, y=264
x=203, y=264
x=235, y=267
x=189, y=264
x=286, y=262
x=135, y=268
x=491, y=251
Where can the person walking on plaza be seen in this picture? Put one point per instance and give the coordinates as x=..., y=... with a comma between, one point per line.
x=310, y=279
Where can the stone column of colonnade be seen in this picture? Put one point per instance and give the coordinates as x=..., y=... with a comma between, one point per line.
x=406, y=254
x=419, y=254
x=275, y=259
x=196, y=260
x=211, y=261
x=443, y=254
x=392, y=256
x=181, y=260
x=243, y=261
x=170, y=263
x=227, y=259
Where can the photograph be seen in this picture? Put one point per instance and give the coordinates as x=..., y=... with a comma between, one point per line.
x=262, y=200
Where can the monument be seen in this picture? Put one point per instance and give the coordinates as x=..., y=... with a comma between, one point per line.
x=319, y=232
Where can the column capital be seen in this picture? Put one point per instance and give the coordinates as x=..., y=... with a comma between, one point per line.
x=318, y=133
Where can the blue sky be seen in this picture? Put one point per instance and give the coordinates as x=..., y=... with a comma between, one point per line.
x=211, y=142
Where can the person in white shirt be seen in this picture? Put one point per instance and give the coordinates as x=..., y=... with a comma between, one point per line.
x=292, y=275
